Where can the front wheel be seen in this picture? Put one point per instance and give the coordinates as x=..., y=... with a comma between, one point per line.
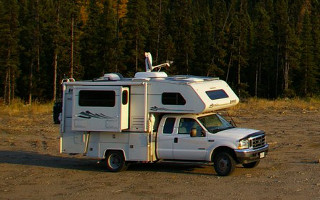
x=224, y=164
x=115, y=161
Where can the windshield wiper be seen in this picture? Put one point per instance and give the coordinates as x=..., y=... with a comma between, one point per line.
x=220, y=129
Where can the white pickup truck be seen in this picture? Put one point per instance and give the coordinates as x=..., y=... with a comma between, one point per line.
x=152, y=117
x=209, y=138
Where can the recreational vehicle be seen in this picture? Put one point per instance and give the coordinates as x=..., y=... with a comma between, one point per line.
x=153, y=117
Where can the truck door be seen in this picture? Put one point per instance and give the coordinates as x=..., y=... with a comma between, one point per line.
x=165, y=139
x=186, y=147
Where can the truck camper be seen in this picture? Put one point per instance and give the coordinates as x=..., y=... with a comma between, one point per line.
x=153, y=117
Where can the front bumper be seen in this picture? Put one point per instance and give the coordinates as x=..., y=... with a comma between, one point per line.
x=251, y=155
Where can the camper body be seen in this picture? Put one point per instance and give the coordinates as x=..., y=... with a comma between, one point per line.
x=154, y=117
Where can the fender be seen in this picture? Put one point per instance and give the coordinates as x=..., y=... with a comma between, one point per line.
x=107, y=150
x=219, y=146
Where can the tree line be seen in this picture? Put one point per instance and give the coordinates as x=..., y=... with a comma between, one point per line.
x=262, y=48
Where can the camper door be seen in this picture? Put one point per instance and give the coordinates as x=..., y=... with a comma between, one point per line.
x=100, y=108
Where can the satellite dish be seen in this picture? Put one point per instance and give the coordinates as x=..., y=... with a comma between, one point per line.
x=148, y=62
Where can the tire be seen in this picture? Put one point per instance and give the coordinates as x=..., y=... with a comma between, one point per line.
x=251, y=165
x=115, y=161
x=224, y=164
x=57, y=109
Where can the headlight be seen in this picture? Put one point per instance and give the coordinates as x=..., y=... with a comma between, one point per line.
x=243, y=144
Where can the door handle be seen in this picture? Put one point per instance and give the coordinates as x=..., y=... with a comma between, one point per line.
x=175, y=140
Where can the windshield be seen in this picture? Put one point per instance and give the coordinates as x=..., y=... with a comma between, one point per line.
x=215, y=123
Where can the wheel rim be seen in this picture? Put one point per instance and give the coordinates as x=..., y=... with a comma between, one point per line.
x=223, y=164
x=114, y=161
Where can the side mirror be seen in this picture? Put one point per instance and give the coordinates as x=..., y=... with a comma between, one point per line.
x=193, y=132
x=203, y=133
x=232, y=123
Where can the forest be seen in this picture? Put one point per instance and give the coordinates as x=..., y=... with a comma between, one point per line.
x=262, y=48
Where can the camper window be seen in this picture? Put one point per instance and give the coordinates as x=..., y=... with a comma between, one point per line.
x=91, y=98
x=217, y=94
x=171, y=98
x=125, y=97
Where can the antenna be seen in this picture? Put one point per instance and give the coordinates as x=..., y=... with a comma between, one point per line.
x=149, y=66
x=148, y=61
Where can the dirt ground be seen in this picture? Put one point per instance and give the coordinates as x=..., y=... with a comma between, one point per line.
x=32, y=168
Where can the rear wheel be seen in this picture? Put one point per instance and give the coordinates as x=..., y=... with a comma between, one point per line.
x=251, y=165
x=115, y=161
x=224, y=164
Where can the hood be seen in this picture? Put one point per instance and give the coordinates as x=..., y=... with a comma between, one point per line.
x=237, y=133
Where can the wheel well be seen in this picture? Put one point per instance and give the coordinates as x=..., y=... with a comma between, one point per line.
x=224, y=149
x=117, y=150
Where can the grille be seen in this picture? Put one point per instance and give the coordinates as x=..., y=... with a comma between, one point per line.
x=257, y=141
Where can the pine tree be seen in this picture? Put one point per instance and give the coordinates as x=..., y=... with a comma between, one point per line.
x=29, y=41
x=262, y=51
x=120, y=10
x=9, y=47
x=157, y=29
x=89, y=43
x=181, y=30
x=241, y=39
x=308, y=67
x=288, y=46
x=315, y=18
x=204, y=40
x=136, y=32
x=107, y=49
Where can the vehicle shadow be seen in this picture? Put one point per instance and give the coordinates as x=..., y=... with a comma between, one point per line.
x=46, y=160
x=185, y=168
x=84, y=164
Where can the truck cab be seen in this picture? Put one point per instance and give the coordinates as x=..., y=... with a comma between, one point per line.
x=209, y=138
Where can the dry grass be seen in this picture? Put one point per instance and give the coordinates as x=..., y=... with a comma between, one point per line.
x=312, y=104
x=17, y=107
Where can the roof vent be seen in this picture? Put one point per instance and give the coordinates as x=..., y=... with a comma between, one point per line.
x=112, y=77
x=150, y=75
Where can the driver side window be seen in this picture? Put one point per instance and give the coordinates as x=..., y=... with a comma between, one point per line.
x=190, y=126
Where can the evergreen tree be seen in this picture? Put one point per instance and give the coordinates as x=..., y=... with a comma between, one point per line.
x=211, y=38
x=288, y=46
x=262, y=52
x=120, y=10
x=266, y=48
x=9, y=47
x=241, y=39
x=156, y=22
x=136, y=32
x=29, y=41
x=308, y=67
x=107, y=39
x=315, y=19
x=204, y=40
x=89, y=43
x=181, y=30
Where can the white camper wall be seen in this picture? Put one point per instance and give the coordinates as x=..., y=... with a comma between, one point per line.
x=70, y=141
x=97, y=118
x=193, y=103
x=138, y=107
x=226, y=99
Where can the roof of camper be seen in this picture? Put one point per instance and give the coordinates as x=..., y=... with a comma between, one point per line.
x=140, y=77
